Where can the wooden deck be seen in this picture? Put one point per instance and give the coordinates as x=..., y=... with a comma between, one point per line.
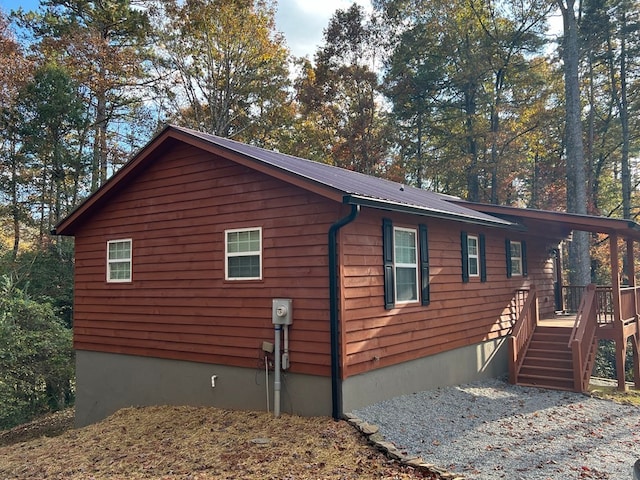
x=555, y=345
x=560, y=320
x=556, y=351
x=605, y=327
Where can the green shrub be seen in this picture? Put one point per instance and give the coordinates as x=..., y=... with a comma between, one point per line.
x=605, y=364
x=36, y=357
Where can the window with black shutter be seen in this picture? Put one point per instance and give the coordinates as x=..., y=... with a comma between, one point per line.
x=406, y=264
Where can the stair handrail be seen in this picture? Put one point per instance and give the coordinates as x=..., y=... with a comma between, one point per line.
x=581, y=341
x=522, y=332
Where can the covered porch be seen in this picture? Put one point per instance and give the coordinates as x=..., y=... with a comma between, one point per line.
x=609, y=325
x=570, y=336
x=558, y=350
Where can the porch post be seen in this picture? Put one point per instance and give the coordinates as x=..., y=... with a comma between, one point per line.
x=631, y=267
x=635, y=345
x=635, y=339
x=615, y=277
x=557, y=269
x=617, y=316
x=631, y=277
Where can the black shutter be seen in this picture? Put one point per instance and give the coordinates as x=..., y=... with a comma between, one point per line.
x=424, y=265
x=523, y=250
x=464, y=244
x=387, y=259
x=483, y=259
x=507, y=247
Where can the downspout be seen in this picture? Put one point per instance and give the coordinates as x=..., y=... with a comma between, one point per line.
x=334, y=320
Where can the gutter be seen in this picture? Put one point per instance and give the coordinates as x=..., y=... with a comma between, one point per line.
x=334, y=318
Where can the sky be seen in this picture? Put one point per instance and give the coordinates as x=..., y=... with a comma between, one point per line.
x=301, y=21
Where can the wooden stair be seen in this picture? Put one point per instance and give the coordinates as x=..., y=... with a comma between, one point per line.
x=548, y=360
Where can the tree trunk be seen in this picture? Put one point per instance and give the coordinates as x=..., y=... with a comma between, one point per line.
x=495, y=130
x=590, y=146
x=624, y=122
x=15, y=206
x=99, y=164
x=473, y=184
x=534, y=181
x=580, y=272
x=419, y=160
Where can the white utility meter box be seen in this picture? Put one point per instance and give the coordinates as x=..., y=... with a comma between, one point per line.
x=281, y=313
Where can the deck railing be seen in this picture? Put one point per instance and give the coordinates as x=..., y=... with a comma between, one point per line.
x=629, y=304
x=583, y=339
x=526, y=302
x=572, y=298
x=604, y=305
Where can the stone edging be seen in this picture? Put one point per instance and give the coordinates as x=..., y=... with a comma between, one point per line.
x=373, y=435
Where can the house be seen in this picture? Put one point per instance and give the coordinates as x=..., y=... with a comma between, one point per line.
x=392, y=289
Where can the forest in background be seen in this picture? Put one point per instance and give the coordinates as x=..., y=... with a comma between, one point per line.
x=473, y=98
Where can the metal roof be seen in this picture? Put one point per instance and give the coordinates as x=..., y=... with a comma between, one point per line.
x=357, y=188
x=336, y=183
x=543, y=221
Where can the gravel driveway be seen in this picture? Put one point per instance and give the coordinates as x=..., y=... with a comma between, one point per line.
x=491, y=429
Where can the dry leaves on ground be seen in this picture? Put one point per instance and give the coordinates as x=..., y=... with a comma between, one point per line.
x=203, y=443
x=610, y=392
x=48, y=425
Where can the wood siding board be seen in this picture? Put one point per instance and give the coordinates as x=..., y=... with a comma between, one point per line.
x=430, y=327
x=459, y=313
x=178, y=304
x=342, y=298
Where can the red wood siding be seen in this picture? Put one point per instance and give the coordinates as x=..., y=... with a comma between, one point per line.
x=459, y=313
x=178, y=305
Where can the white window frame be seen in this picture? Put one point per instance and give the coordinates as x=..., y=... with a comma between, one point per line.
x=228, y=255
x=414, y=266
x=113, y=261
x=516, y=261
x=473, y=257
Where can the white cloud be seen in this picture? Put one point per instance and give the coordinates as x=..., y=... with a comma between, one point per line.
x=303, y=21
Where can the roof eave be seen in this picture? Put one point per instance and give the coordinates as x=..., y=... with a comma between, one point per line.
x=428, y=212
x=572, y=221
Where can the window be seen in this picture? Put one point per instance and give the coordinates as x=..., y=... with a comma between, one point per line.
x=516, y=258
x=406, y=264
x=119, y=260
x=474, y=263
x=473, y=257
x=243, y=254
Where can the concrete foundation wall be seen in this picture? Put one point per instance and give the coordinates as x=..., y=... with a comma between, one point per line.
x=107, y=382
x=455, y=367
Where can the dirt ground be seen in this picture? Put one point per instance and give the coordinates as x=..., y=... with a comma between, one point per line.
x=49, y=425
x=194, y=443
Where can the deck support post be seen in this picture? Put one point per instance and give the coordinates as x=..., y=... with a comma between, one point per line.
x=635, y=339
x=635, y=345
x=621, y=353
x=615, y=277
x=621, y=347
x=631, y=268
